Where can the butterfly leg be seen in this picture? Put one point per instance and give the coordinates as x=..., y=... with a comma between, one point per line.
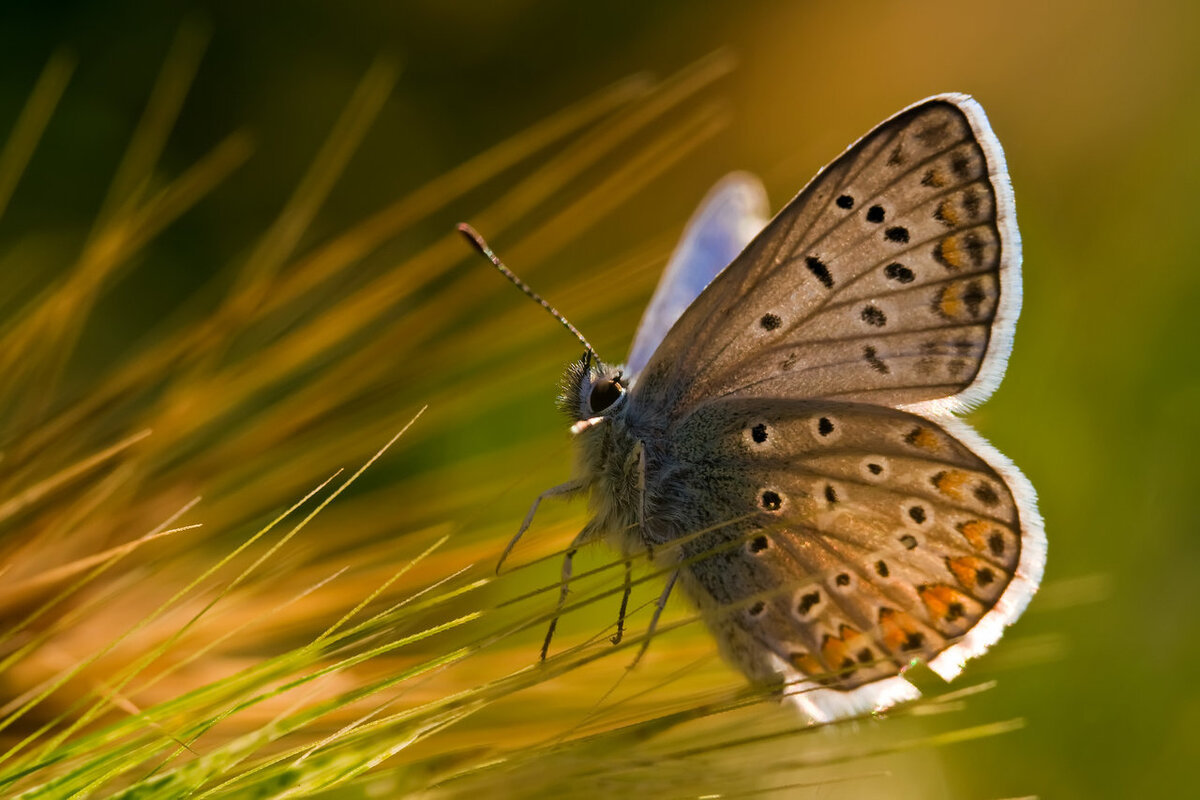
x=563, y=588
x=658, y=610
x=616, y=639
x=639, y=453
x=569, y=488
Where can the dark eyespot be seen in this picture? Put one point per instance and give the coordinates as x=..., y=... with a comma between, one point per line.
x=819, y=271
x=770, y=322
x=759, y=433
x=873, y=316
x=845, y=201
x=771, y=501
x=842, y=579
x=757, y=608
x=875, y=214
x=985, y=494
x=758, y=544
x=807, y=602
x=604, y=393
x=899, y=272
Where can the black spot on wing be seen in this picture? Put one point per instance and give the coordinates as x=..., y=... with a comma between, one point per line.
x=972, y=203
x=819, y=270
x=985, y=494
x=872, y=359
x=976, y=250
x=973, y=297
x=808, y=601
x=960, y=164
x=898, y=273
x=873, y=316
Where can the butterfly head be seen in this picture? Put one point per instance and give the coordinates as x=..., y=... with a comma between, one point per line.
x=591, y=389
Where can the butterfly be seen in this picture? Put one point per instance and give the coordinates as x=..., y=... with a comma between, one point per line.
x=782, y=438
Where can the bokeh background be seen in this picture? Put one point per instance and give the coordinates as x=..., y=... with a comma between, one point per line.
x=281, y=378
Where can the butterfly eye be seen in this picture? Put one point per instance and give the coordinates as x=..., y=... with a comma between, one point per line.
x=604, y=393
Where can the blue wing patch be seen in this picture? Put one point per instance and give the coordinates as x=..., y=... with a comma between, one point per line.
x=730, y=215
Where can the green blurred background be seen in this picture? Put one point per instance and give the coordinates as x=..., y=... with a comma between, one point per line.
x=1097, y=106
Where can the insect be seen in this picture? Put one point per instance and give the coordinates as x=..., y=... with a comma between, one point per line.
x=782, y=437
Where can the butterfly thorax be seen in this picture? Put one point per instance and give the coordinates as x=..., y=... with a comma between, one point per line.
x=611, y=452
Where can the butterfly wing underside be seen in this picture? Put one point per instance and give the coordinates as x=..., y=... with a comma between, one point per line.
x=841, y=540
x=807, y=394
x=892, y=278
x=732, y=212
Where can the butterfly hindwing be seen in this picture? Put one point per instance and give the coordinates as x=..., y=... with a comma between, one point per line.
x=892, y=278
x=838, y=541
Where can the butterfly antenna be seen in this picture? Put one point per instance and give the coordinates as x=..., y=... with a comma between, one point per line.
x=479, y=243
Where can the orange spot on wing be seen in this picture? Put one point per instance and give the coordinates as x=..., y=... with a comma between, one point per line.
x=806, y=663
x=836, y=654
x=950, y=305
x=850, y=636
x=898, y=629
x=947, y=213
x=945, y=603
x=976, y=574
x=951, y=252
x=951, y=483
x=976, y=532
x=923, y=438
x=839, y=652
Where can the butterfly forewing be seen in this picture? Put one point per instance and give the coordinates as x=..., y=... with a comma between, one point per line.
x=841, y=539
x=882, y=281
